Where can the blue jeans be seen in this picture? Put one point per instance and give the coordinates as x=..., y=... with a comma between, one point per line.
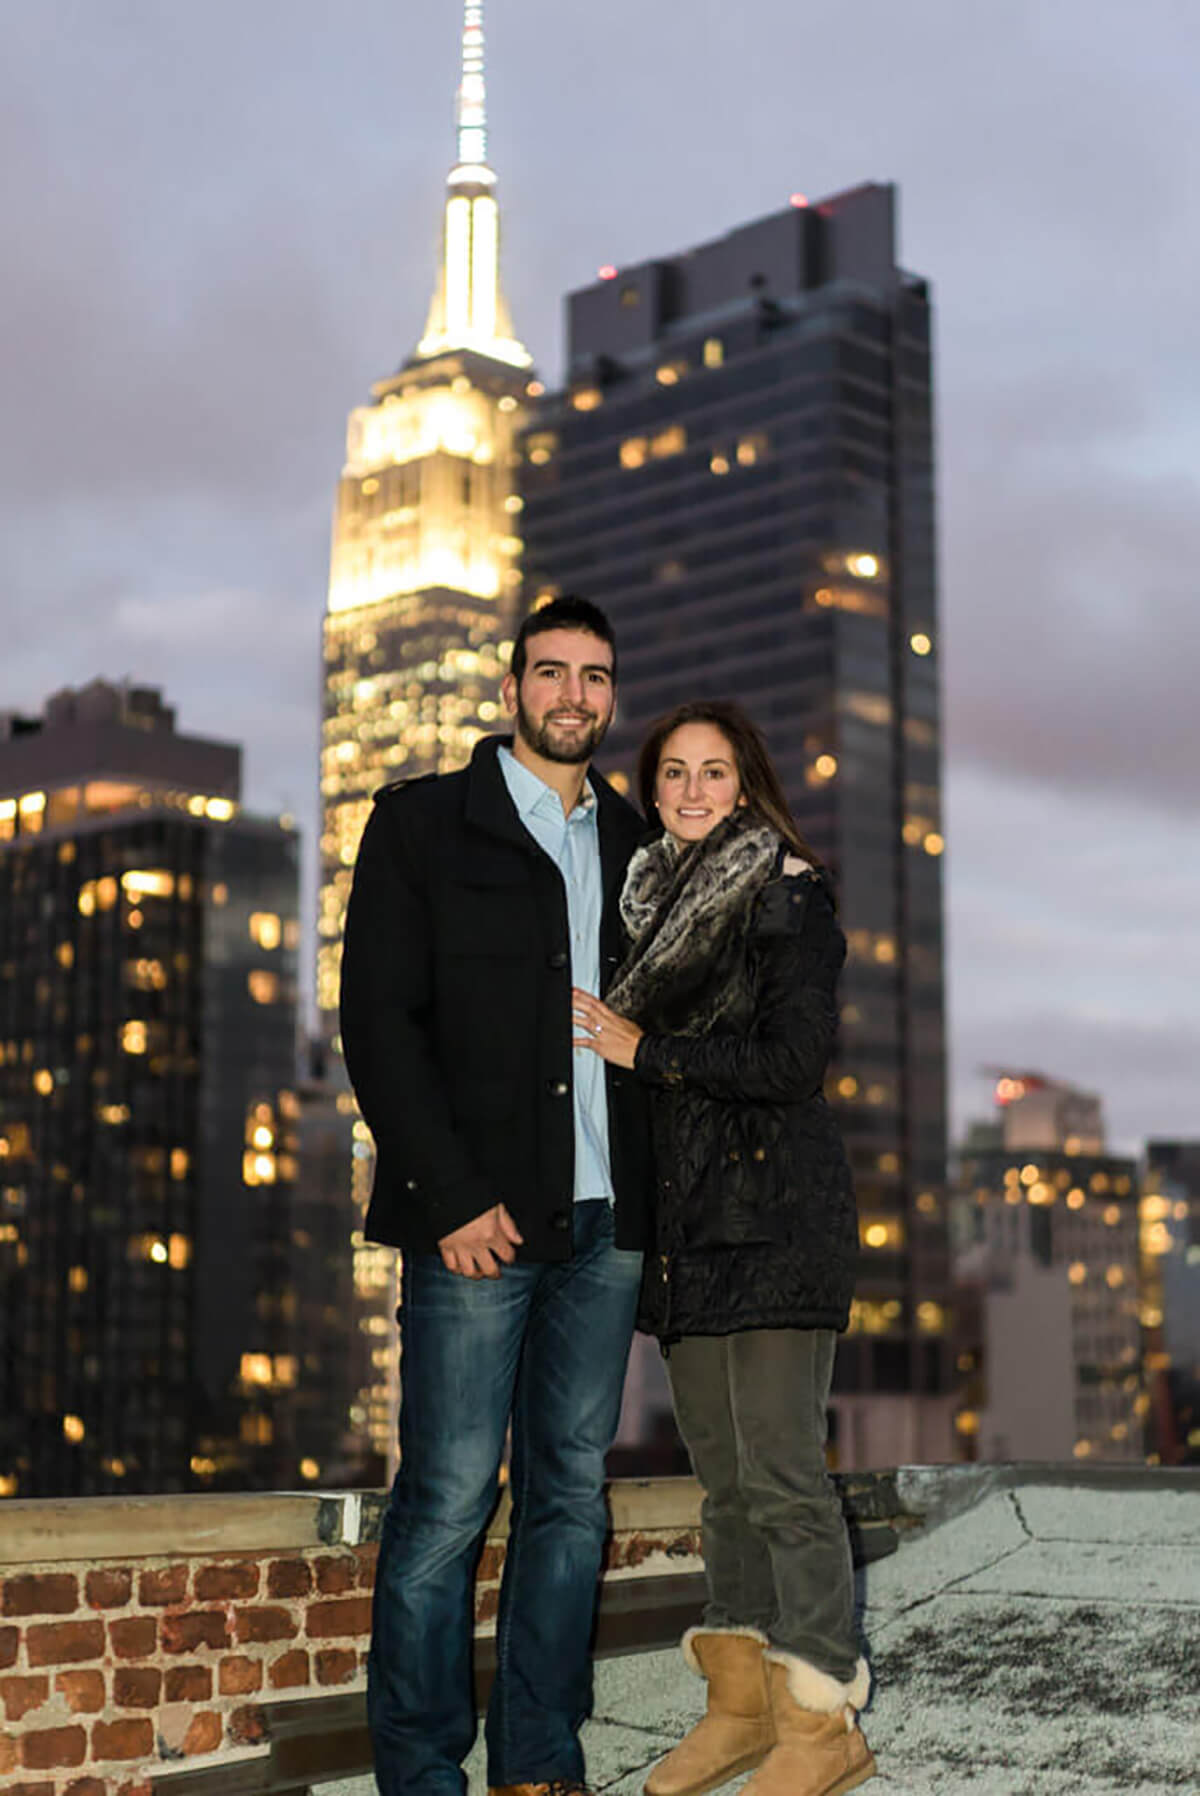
x=544, y=1346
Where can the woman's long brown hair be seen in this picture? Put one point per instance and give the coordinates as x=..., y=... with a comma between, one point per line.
x=760, y=784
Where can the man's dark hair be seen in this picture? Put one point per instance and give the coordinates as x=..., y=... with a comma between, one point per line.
x=565, y=613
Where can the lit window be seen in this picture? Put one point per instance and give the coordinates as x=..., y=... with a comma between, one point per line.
x=370, y=486
x=77, y=1278
x=1075, y=1198
x=885, y=950
x=535, y=389
x=180, y=1161
x=633, y=452
x=507, y=403
x=670, y=373
x=133, y=1036
x=1082, y=1449
x=927, y=1203
x=966, y=1422
x=934, y=843
x=258, y=1169
x=1114, y=1278
x=106, y=893
x=847, y=1085
x=865, y=566
x=149, y=884
x=888, y=1162
x=826, y=766
x=1077, y=1272
x=672, y=441
x=73, y=1428
x=263, y=986
x=256, y=1368
x=263, y=1136
x=931, y=1318
x=714, y=352
x=43, y=1081
x=1112, y=1215
x=587, y=399
x=919, y=643
x=751, y=450
x=309, y=1469
x=541, y=447
x=881, y=1231
x=220, y=893
x=219, y=809
x=719, y=464
x=631, y=296
x=265, y=929
x=65, y=954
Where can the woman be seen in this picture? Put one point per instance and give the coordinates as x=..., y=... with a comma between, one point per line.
x=725, y=1008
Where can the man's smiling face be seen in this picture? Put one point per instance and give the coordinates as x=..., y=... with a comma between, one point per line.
x=564, y=703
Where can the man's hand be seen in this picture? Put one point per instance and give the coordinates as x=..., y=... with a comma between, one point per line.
x=473, y=1250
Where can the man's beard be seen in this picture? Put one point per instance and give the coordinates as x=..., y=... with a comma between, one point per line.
x=580, y=745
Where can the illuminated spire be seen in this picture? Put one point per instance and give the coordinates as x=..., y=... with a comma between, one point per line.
x=468, y=310
x=472, y=91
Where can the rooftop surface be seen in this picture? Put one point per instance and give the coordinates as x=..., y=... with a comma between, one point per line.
x=1044, y=1639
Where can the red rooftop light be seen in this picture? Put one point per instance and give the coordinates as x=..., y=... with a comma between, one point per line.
x=799, y=199
x=607, y=273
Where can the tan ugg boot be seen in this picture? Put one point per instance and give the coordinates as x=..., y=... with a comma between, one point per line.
x=737, y=1733
x=819, y=1748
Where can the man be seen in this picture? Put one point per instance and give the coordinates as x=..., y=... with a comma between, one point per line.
x=512, y=1170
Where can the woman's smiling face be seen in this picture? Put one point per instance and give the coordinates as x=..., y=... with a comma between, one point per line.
x=697, y=782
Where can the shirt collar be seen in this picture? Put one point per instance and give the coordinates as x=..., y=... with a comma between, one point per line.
x=531, y=794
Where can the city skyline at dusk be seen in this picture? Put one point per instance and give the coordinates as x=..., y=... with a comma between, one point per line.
x=225, y=235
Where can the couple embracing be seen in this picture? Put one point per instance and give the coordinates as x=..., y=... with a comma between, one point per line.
x=591, y=1056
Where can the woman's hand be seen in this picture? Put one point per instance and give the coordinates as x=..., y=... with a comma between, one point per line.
x=611, y=1036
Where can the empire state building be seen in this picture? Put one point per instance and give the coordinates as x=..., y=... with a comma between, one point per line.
x=424, y=580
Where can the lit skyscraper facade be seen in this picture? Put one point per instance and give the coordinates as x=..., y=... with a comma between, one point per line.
x=148, y=937
x=424, y=583
x=740, y=470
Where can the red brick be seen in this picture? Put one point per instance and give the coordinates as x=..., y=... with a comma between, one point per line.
x=64, y=1642
x=329, y=1620
x=248, y=1726
x=134, y=1636
x=188, y=1683
x=337, y=1574
x=289, y=1577
x=137, y=1789
x=491, y=1564
x=289, y=1671
x=128, y=1739
x=54, y=1746
x=263, y=1624
x=8, y=1752
x=136, y=1686
x=86, y=1786
x=204, y=1734
x=487, y=1602
x=84, y=1691
x=28, y=1789
x=197, y=1627
x=10, y=1641
x=367, y=1557
x=169, y=1585
x=20, y=1695
x=108, y=1589
x=239, y=1676
x=41, y=1593
x=221, y=1583
x=335, y=1666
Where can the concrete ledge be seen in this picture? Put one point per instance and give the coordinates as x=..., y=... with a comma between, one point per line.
x=87, y=1529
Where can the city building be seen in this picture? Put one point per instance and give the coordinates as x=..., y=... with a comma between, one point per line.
x=423, y=592
x=1170, y=1298
x=148, y=937
x=1045, y=1224
x=740, y=469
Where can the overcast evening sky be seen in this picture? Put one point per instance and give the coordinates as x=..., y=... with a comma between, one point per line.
x=220, y=225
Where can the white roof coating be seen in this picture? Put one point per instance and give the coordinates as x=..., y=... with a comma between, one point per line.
x=1044, y=1642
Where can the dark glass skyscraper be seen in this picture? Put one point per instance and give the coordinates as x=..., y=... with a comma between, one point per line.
x=148, y=1118
x=741, y=470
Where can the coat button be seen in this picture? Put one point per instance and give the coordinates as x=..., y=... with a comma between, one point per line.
x=558, y=1088
x=411, y=1185
x=560, y=1220
x=557, y=961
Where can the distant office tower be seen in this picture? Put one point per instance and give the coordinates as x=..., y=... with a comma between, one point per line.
x=1046, y=1265
x=1170, y=1295
x=741, y=471
x=148, y=934
x=424, y=581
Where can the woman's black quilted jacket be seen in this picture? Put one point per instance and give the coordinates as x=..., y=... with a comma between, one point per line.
x=755, y=1216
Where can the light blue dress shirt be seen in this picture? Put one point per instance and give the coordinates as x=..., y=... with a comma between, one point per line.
x=573, y=844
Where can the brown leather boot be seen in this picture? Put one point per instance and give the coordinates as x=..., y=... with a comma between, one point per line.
x=819, y=1747
x=736, y=1733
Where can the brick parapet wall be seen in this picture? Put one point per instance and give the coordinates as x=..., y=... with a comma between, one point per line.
x=116, y=1666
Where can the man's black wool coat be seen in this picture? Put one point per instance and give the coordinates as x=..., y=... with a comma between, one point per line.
x=456, y=1015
